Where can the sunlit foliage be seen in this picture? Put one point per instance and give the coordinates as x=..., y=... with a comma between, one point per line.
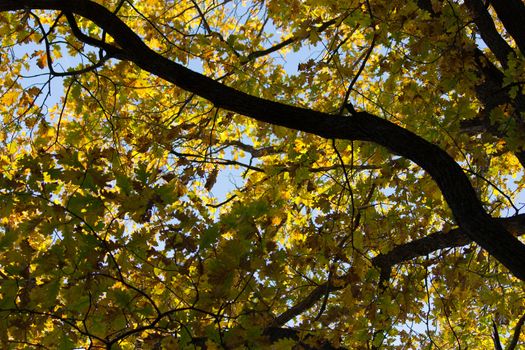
x=135, y=214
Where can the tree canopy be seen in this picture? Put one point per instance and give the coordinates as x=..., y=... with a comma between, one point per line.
x=262, y=174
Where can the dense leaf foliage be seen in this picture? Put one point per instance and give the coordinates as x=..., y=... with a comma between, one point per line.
x=328, y=185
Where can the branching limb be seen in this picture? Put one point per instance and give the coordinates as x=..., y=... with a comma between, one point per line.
x=448, y=175
x=294, y=39
x=346, y=102
x=440, y=240
x=210, y=31
x=516, y=335
x=488, y=31
x=112, y=51
x=511, y=13
x=384, y=262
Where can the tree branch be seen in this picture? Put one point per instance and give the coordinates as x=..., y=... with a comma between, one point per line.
x=293, y=39
x=488, y=31
x=110, y=49
x=384, y=262
x=495, y=337
x=448, y=175
x=491, y=93
x=516, y=335
x=489, y=90
x=512, y=14
x=440, y=240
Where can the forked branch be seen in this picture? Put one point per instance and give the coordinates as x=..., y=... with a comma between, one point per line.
x=448, y=175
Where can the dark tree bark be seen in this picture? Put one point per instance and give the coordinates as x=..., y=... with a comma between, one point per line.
x=512, y=15
x=488, y=31
x=490, y=90
x=385, y=262
x=364, y=126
